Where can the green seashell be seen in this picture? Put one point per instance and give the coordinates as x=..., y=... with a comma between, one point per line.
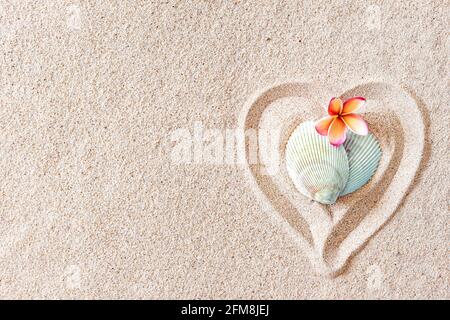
x=317, y=169
x=323, y=172
x=364, y=154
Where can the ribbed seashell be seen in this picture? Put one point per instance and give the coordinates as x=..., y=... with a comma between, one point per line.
x=323, y=172
x=364, y=154
x=317, y=169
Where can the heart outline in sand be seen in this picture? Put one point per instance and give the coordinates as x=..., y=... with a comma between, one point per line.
x=321, y=230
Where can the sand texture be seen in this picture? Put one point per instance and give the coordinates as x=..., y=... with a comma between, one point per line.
x=119, y=178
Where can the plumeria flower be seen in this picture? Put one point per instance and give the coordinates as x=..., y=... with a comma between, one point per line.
x=341, y=116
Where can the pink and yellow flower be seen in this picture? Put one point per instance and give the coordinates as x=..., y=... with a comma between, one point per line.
x=340, y=117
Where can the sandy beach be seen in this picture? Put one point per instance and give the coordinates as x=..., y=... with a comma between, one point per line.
x=123, y=175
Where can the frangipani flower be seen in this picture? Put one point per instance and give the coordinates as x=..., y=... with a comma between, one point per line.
x=341, y=116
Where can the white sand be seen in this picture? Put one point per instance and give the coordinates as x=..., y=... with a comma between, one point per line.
x=92, y=204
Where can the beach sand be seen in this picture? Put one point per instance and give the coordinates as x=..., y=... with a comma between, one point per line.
x=97, y=99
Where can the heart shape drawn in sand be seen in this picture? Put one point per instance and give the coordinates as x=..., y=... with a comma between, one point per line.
x=331, y=235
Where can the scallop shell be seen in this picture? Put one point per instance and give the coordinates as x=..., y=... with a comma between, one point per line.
x=323, y=172
x=364, y=154
x=317, y=169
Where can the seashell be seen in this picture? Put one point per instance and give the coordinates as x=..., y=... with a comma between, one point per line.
x=323, y=172
x=317, y=169
x=364, y=154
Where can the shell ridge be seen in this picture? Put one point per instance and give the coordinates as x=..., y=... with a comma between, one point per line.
x=364, y=154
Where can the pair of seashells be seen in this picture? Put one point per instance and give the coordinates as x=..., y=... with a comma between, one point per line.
x=324, y=172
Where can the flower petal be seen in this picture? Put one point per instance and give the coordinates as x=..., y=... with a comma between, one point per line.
x=356, y=123
x=352, y=104
x=335, y=107
x=323, y=125
x=337, y=132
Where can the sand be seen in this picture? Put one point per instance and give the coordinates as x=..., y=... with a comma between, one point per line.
x=118, y=178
